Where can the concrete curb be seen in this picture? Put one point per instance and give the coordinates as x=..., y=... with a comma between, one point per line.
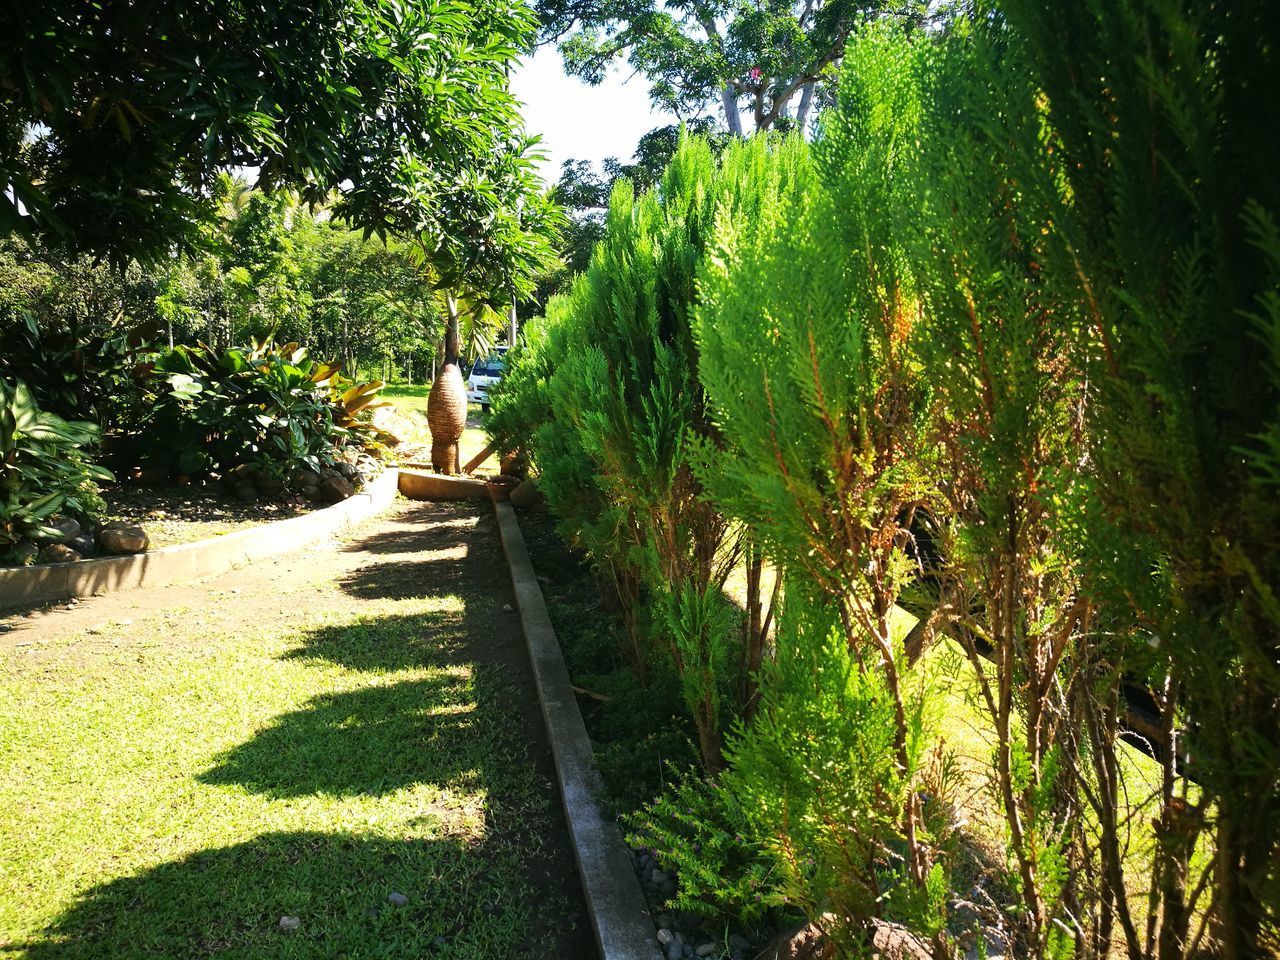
x=424, y=485
x=25, y=586
x=623, y=928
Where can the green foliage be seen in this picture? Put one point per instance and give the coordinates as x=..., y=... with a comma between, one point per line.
x=404, y=108
x=271, y=269
x=804, y=331
x=43, y=470
x=610, y=396
x=273, y=407
x=808, y=814
x=707, y=832
x=1169, y=157
x=807, y=327
x=766, y=54
x=1004, y=349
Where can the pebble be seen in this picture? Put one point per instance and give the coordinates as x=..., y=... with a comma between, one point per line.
x=675, y=952
x=5, y=627
x=666, y=937
x=706, y=950
x=507, y=608
x=290, y=923
x=397, y=899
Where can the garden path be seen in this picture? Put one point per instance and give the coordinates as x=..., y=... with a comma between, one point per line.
x=335, y=753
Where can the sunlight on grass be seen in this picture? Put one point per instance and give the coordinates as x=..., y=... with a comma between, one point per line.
x=411, y=401
x=265, y=771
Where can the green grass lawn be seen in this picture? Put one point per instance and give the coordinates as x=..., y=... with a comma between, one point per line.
x=176, y=786
x=408, y=397
x=411, y=401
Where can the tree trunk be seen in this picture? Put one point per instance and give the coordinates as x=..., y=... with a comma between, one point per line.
x=806, y=103
x=447, y=402
x=513, y=322
x=731, y=115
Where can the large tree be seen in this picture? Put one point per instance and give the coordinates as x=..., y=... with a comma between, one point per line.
x=771, y=55
x=118, y=117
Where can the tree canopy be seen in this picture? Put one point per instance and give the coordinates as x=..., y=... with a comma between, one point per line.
x=765, y=53
x=118, y=118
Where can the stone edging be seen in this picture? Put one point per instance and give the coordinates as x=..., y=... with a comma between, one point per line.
x=185, y=562
x=619, y=916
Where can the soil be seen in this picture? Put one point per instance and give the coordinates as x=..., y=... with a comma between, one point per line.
x=173, y=515
x=414, y=549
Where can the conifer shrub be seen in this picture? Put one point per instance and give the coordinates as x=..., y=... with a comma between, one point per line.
x=1020, y=296
x=611, y=397
x=1003, y=348
x=1164, y=123
x=806, y=327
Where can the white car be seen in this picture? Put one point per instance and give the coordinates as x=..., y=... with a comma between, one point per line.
x=484, y=375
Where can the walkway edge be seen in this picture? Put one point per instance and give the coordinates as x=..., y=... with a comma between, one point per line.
x=185, y=562
x=623, y=928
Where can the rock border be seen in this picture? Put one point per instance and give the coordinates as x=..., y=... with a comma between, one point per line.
x=184, y=562
x=620, y=918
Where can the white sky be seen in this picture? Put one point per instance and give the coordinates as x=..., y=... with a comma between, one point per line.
x=579, y=121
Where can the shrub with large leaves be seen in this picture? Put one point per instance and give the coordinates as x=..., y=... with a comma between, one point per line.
x=43, y=472
x=270, y=406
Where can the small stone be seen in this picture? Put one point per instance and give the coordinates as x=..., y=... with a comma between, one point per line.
x=666, y=937
x=335, y=489
x=290, y=923
x=121, y=538
x=245, y=491
x=657, y=877
x=5, y=627
x=270, y=486
x=58, y=553
x=67, y=528
x=397, y=899
x=83, y=545
x=706, y=950
x=24, y=554
x=675, y=951
x=507, y=608
x=525, y=495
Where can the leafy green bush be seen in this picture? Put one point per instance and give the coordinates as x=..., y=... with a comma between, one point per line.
x=270, y=406
x=1168, y=157
x=43, y=470
x=66, y=330
x=610, y=397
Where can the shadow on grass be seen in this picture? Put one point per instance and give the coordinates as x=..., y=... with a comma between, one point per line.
x=372, y=742
x=498, y=883
x=459, y=727
x=464, y=900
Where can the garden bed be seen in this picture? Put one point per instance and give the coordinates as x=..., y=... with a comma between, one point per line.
x=175, y=515
x=188, y=562
x=641, y=737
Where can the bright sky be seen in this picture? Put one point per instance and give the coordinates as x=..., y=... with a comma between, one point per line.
x=579, y=121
